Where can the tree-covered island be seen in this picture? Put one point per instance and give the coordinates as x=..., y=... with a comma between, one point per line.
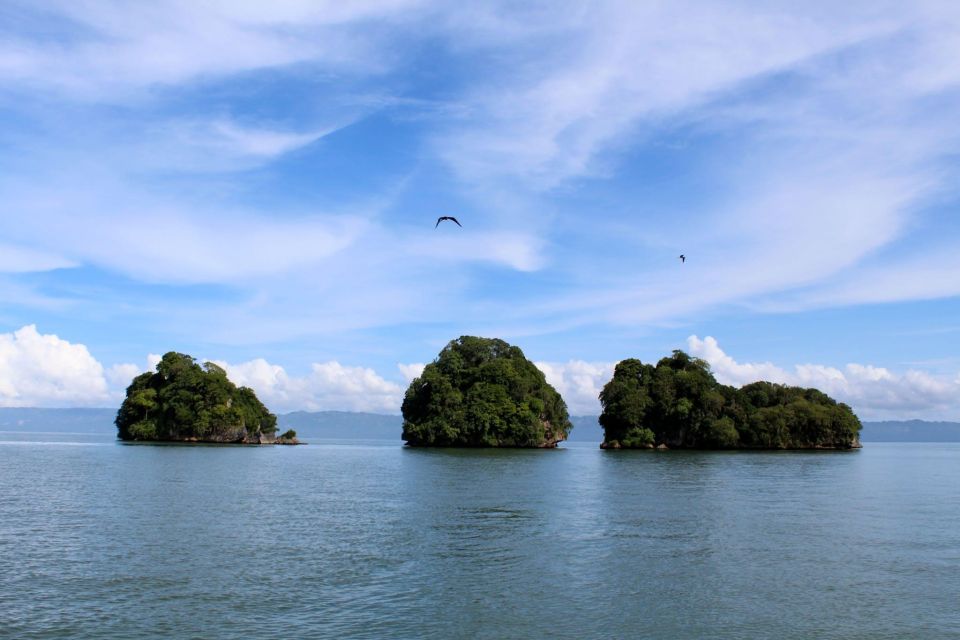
x=679, y=404
x=183, y=401
x=483, y=392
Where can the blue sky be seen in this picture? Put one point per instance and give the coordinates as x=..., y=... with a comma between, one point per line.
x=258, y=184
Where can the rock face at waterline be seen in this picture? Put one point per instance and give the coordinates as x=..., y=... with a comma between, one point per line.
x=483, y=392
x=185, y=402
x=679, y=404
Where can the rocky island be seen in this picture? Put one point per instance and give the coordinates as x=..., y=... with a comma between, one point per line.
x=679, y=404
x=483, y=392
x=183, y=401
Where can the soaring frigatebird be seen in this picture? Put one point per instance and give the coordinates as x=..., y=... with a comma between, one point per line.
x=683, y=258
x=442, y=218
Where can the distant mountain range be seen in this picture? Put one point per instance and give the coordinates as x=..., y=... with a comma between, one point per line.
x=58, y=420
x=910, y=431
x=376, y=426
x=342, y=424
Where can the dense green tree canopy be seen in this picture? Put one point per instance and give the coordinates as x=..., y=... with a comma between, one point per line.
x=483, y=392
x=679, y=403
x=182, y=400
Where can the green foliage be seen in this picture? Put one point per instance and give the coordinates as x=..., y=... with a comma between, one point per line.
x=184, y=401
x=483, y=392
x=289, y=434
x=638, y=438
x=679, y=403
x=143, y=430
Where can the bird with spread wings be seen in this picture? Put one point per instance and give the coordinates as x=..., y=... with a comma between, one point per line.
x=451, y=218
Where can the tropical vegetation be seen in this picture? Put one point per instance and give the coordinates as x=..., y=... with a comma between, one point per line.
x=679, y=404
x=185, y=401
x=483, y=392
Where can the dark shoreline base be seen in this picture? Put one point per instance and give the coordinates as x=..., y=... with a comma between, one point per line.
x=662, y=447
x=415, y=445
x=214, y=443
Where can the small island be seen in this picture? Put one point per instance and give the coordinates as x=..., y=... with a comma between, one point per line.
x=483, y=392
x=183, y=401
x=678, y=404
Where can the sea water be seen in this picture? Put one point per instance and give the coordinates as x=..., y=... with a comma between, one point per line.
x=100, y=539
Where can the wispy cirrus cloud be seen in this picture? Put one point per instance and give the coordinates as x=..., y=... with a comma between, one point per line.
x=111, y=51
x=14, y=259
x=618, y=69
x=796, y=155
x=213, y=145
x=162, y=240
x=818, y=181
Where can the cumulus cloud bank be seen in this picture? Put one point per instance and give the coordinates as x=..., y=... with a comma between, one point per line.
x=578, y=382
x=39, y=370
x=43, y=370
x=328, y=386
x=875, y=393
x=411, y=371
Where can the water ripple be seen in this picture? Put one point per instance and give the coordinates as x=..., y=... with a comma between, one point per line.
x=103, y=541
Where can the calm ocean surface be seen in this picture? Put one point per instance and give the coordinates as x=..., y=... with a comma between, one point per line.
x=371, y=540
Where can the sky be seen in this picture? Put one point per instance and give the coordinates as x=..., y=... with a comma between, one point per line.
x=257, y=184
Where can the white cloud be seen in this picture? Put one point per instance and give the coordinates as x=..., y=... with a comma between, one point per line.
x=258, y=142
x=816, y=98
x=351, y=268
x=328, y=386
x=931, y=272
x=517, y=250
x=125, y=47
x=411, y=371
x=353, y=388
x=729, y=371
x=26, y=294
x=807, y=238
x=160, y=242
x=41, y=370
x=14, y=259
x=203, y=145
x=220, y=248
x=585, y=78
x=153, y=359
x=578, y=382
x=121, y=375
x=875, y=393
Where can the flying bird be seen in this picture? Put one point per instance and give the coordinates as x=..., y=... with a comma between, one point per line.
x=442, y=218
x=683, y=258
